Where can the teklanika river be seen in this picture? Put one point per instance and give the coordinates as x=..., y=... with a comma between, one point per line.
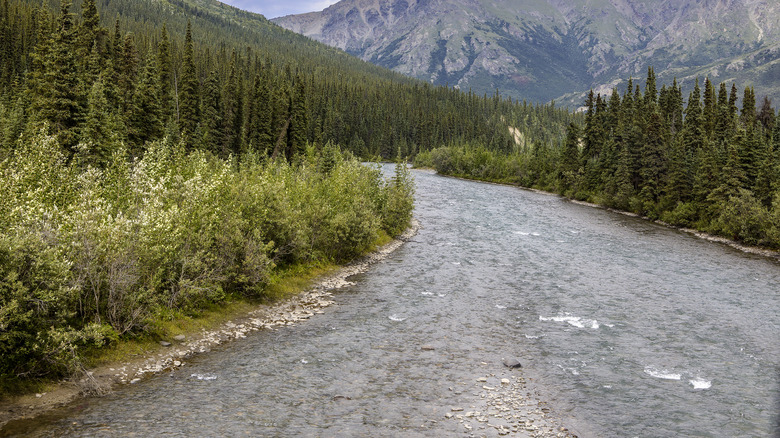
x=626, y=328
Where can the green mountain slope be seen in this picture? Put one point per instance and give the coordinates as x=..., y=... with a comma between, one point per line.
x=368, y=109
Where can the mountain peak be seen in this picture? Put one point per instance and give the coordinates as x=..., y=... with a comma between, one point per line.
x=545, y=49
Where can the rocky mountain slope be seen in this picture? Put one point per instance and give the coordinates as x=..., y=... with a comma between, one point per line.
x=554, y=49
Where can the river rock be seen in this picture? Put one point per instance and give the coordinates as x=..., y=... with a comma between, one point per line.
x=179, y=338
x=512, y=363
x=427, y=347
x=165, y=343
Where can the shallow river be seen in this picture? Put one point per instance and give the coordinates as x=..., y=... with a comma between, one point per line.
x=628, y=329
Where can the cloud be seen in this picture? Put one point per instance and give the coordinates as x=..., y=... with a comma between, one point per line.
x=278, y=8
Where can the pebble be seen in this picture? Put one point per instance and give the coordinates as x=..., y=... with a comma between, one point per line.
x=509, y=409
x=427, y=347
x=165, y=343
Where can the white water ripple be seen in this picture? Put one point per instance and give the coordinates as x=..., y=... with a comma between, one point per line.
x=662, y=373
x=575, y=321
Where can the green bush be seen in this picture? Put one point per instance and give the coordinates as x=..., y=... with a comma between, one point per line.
x=743, y=218
x=88, y=255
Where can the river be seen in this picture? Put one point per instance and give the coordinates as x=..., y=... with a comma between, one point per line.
x=626, y=328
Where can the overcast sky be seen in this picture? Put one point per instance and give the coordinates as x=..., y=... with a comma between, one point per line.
x=279, y=8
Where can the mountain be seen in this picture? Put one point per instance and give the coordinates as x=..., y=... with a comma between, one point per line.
x=556, y=49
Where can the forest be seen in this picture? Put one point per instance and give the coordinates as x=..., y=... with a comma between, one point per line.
x=711, y=162
x=158, y=158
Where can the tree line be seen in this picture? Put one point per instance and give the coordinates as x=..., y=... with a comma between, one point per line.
x=710, y=162
x=218, y=87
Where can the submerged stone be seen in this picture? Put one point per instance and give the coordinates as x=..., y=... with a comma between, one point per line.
x=512, y=363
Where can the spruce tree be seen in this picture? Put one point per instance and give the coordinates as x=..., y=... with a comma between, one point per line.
x=651, y=92
x=57, y=101
x=146, y=115
x=766, y=116
x=127, y=73
x=298, y=126
x=710, y=110
x=748, y=113
x=189, y=96
x=653, y=163
x=165, y=75
x=570, y=159
x=99, y=137
x=212, y=137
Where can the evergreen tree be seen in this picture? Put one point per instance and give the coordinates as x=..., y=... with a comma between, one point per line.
x=127, y=74
x=570, y=158
x=298, y=126
x=100, y=133
x=766, y=116
x=748, y=114
x=212, y=116
x=55, y=98
x=165, y=75
x=189, y=96
x=710, y=110
x=653, y=165
x=651, y=92
x=724, y=125
x=733, y=100
x=146, y=119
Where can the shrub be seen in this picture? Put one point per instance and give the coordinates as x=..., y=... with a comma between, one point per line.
x=87, y=254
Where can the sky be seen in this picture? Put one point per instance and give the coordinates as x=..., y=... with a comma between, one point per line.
x=279, y=8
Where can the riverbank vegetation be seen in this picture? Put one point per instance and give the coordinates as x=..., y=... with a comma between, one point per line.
x=704, y=164
x=88, y=255
x=146, y=176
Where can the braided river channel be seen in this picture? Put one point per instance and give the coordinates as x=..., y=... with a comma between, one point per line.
x=625, y=328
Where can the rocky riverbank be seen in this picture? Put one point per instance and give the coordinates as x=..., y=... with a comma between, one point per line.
x=175, y=352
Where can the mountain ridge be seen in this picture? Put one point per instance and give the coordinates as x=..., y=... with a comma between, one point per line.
x=550, y=49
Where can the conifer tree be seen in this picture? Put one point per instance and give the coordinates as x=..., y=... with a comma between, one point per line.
x=57, y=101
x=653, y=165
x=165, y=75
x=212, y=116
x=127, y=73
x=710, y=110
x=724, y=125
x=733, y=100
x=687, y=151
x=189, y=96
x=766, y=116
x=101, y=129
x=570, y=158
x=748, y=113
x=298, y=126
x=146, y=123
x=651, y=92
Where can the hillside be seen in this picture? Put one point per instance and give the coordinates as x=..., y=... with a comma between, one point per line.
x=549, y=49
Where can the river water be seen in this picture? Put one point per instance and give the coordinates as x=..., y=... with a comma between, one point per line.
x=626, y=327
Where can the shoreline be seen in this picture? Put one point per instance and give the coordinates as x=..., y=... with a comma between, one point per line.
x=171, y=355
x=755, y=250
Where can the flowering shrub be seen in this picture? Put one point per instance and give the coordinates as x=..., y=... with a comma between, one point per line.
x=87, y=255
